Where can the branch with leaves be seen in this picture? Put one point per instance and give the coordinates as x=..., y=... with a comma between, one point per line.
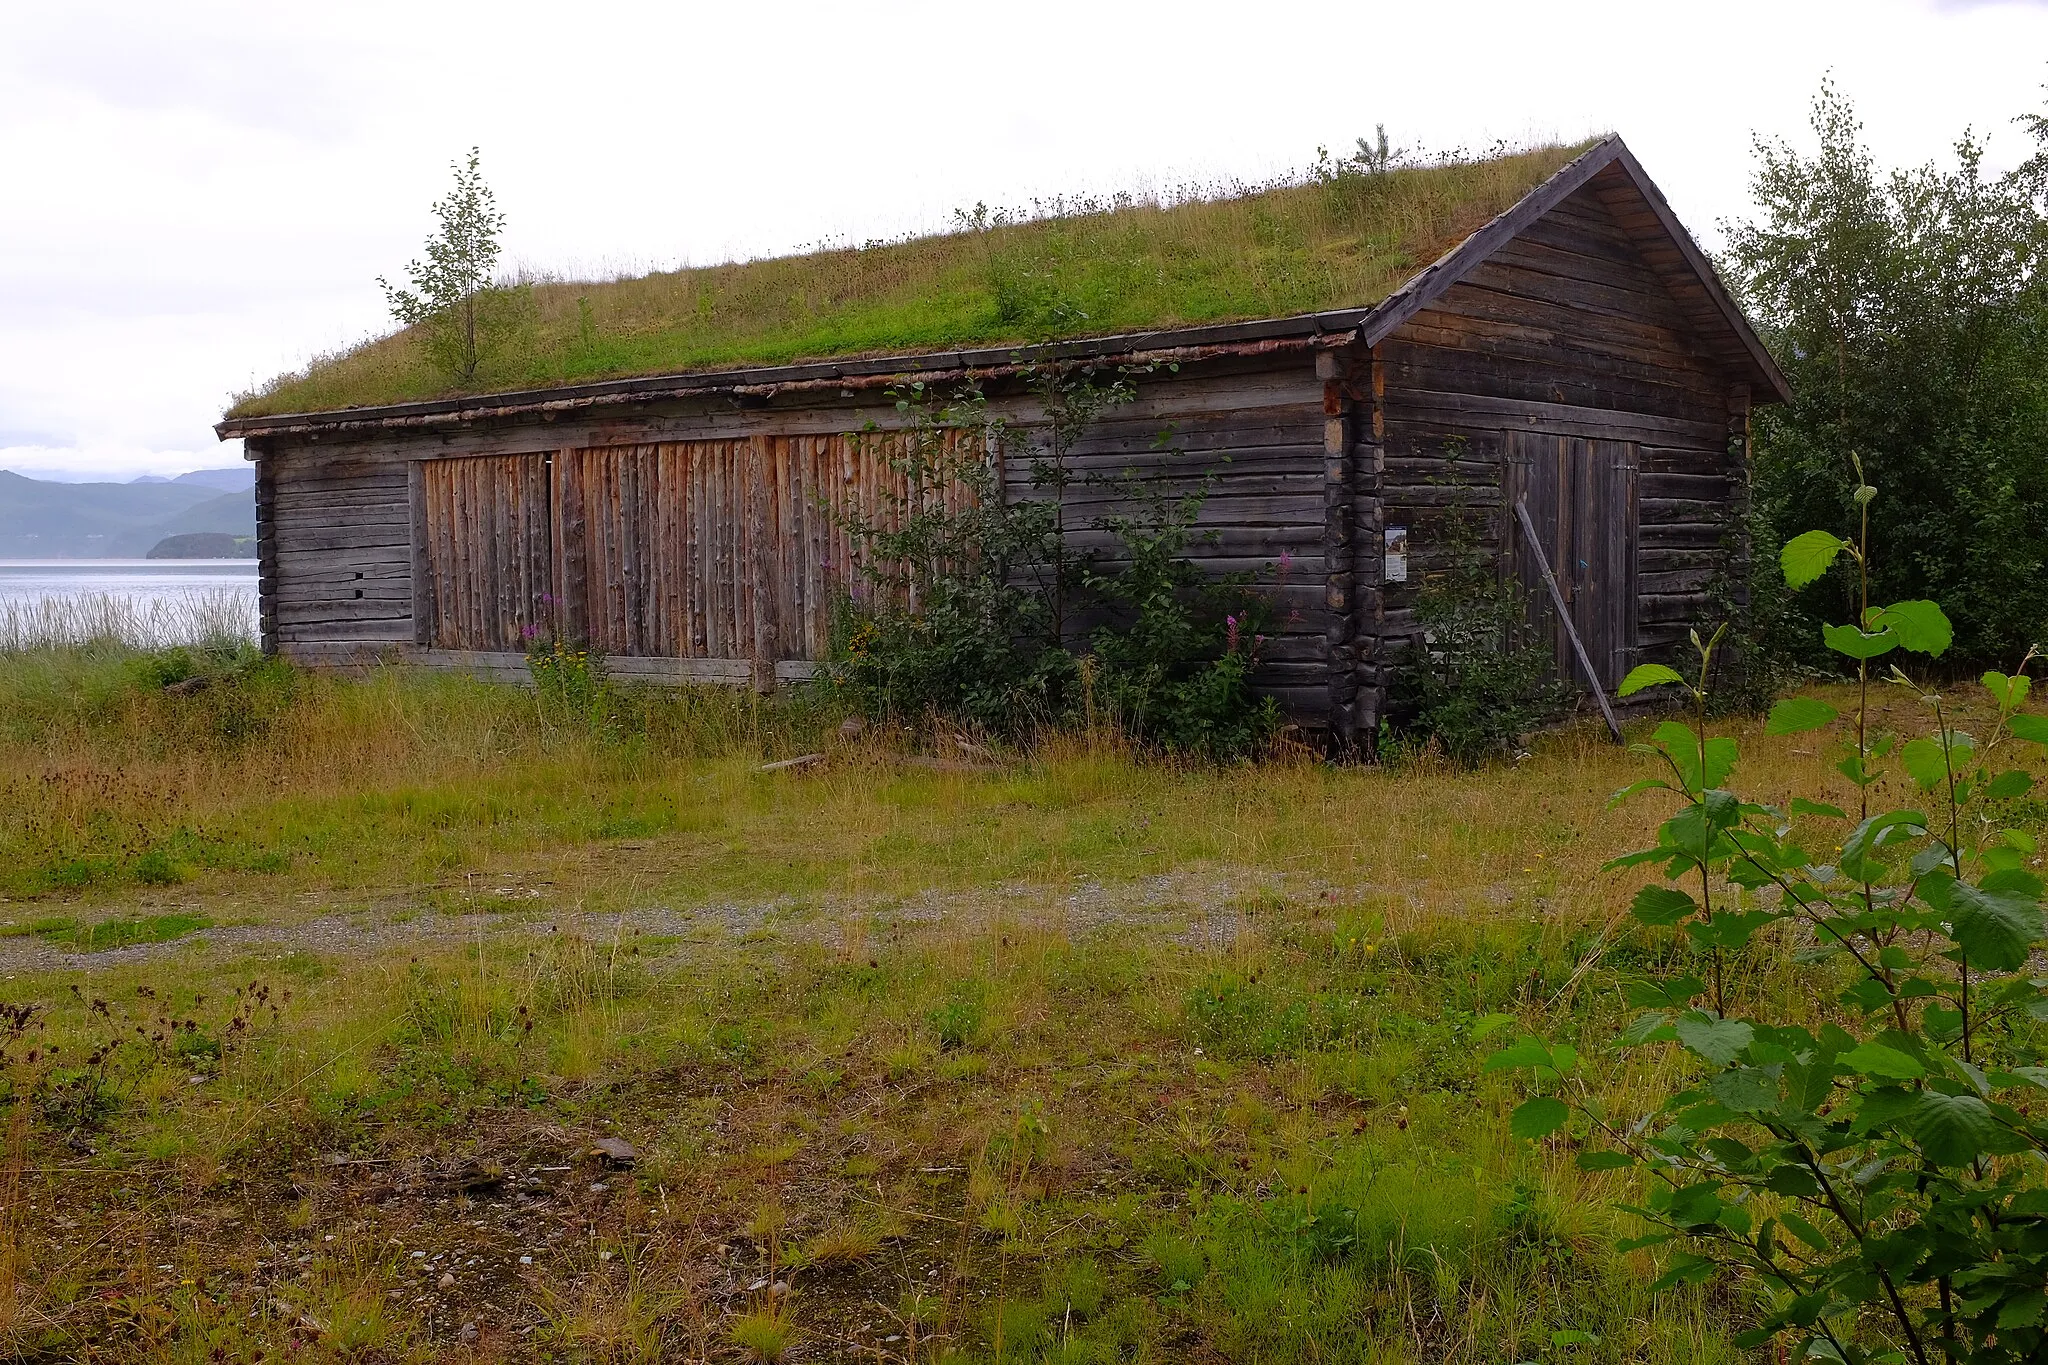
x=1883, y=1180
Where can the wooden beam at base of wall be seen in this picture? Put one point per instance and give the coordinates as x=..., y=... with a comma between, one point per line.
x=507, y=666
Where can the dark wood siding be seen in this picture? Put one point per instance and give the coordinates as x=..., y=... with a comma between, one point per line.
x=1581, y=496
x=1564, y=333
x=717, y=549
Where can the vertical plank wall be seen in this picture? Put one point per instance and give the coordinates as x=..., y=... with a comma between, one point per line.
x=481, y=551
x=727, y=549
x=1582, y=498
x=1566, y=332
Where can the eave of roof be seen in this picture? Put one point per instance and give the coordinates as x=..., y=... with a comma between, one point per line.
x=1299, y=332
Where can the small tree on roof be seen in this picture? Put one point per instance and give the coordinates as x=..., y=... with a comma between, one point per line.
x=461, y=312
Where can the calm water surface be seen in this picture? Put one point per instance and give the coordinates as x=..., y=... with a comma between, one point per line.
x=140, y=579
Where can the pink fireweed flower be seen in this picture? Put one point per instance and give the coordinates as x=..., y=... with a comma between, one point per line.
x=1230, y=632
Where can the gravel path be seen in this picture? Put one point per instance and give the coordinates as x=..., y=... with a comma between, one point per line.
x=1198, y=908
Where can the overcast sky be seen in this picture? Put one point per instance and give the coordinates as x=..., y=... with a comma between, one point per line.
x=197, y=196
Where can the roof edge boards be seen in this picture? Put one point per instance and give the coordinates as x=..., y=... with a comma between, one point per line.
x=1300, y=332
x=1319, y=331
x=1432, y=280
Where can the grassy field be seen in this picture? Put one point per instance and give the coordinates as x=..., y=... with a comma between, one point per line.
x=342, y=990
x=1220, y=253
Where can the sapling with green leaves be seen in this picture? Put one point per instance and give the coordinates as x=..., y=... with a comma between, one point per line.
x=1880, y=1177
x=462, y=313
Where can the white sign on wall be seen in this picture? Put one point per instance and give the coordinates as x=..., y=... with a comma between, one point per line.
x=1397, y=554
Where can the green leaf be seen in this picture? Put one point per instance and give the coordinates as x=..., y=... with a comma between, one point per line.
x=1796, y=715
x=1806, y=557
x=1805, y=1231
x=1662, y=905
x=1995, y=929
x=1538, y=1117
x=1954, y=1130
x=1794, y=1180
x=1920, y=626
x=1925, y=762
x=1857, y=645
x=1720, y=1041
x=2009, y=784
x=1488, y=1024
x=2031, y=728
x=1685, y=1269
x=1859, y=850
x=1875, y=1059
x=2009, y=692
x=1527, y=1053
x=1648, y=993
x=1746, y=1089
x=1636, y=788
x=1648, y=675
x=1802, y=806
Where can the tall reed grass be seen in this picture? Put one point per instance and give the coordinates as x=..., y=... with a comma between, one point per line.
x=207, y=617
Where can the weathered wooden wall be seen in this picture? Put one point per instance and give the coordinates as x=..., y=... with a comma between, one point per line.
x=1569, y=330
x=700, y=530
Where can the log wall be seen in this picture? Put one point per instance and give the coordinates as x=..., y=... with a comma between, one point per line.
x=1568, y=330
x=701, y=530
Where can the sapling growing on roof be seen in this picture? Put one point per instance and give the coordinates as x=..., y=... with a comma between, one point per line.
x=462, y=313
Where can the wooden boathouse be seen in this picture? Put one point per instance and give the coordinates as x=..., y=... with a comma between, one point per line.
x=1577, y=352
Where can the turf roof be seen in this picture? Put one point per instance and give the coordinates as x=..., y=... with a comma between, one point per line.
x=1327, y=242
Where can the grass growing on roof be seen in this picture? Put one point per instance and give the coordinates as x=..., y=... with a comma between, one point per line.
x=1085, y=268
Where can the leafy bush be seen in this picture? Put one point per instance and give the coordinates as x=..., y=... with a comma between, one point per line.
x=976, y=607
x=1478, y=678
x=1910, y=311
x=959, y=1019
x=1878, y=1175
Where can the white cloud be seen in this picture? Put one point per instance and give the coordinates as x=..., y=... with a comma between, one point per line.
x=199, y=196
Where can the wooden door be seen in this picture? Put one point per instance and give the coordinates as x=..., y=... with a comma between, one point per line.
x=1581, y=495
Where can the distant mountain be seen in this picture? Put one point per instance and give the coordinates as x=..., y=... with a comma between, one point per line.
x=40, y=520
x=203, y=545
x=239, y=479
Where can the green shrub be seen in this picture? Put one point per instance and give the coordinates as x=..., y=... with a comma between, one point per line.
x=1479, y=677
x=1876, y=1174
x=1909, y=312
x=960, y=1018
x=976, y=606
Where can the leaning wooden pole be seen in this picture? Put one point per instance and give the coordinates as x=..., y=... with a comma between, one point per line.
x=1564, y=614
